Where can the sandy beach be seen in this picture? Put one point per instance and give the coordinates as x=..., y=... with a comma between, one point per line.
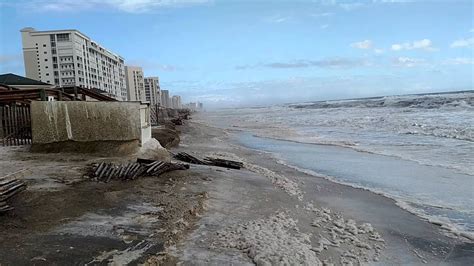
x=265, y=214
x=267, y=187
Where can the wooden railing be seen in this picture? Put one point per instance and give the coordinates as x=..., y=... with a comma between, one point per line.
x=15, y=126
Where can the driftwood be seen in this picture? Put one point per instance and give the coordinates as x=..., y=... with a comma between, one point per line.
x=9, y=187
x=185, y=157
x=106, y=172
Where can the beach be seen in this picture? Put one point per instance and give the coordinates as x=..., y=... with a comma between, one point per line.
x=267, y=213
x=236, y=198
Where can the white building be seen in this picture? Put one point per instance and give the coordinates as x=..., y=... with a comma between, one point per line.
x=152, y=90
x=135, y=83
x=176, y=102
x=70, y=58
x=165, y=99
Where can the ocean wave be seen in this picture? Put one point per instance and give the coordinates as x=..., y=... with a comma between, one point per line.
x=463, y=100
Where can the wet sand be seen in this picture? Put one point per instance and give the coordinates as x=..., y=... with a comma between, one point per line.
x=265, y=213
x=237, y=197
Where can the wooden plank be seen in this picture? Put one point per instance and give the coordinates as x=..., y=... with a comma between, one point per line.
x=2, y=126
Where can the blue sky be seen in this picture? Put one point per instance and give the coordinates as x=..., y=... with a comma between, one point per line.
x=237, y=53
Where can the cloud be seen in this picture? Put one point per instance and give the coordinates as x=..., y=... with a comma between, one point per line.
x=322, y=15
x=366, y=44
x=276, y=19
x=148, y=65
x=379, y=51
x=408, y=62
x=424, y=44
x=468, y=42
x=129, y=6
x=337, y=62
x=324, y=26
x=459, y=61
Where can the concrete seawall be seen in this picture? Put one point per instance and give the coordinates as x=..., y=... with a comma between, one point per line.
x=88, y=126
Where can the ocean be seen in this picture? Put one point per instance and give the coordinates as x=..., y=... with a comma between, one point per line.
x=416, y=149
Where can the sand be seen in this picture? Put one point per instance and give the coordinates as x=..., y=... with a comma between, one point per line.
x=266, y=213
x=251, y=212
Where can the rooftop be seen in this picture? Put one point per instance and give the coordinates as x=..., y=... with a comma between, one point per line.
x=12, y=80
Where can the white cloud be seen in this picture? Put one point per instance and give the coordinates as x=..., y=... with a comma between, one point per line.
x=320, y=15
x=424, y=44
x=130, y=6
x=459, y=61
x=378, y=51
x=366, y=44
x=277, y=19
x=324, y=26
x=408, y=62
x=469, y=42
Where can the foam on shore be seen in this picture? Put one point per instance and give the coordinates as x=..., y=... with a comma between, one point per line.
x=280, y=181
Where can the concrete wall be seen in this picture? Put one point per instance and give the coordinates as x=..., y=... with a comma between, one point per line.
x=57, y=121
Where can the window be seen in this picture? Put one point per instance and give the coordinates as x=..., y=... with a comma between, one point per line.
x=47, y=74
x=63, y=37
x=44, y=45
x=46, y=66
x=55, y=65
x=45, y=52
x=53, y=51
x=46, y=59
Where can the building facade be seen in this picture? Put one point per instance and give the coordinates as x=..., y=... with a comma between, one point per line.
x=152, y=90
x=135, y=83
x=70, y=58
x=176, y=102
x=165, y=99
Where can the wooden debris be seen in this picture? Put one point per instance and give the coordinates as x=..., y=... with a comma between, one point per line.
x=106, y=172
x=185, y=157
x=9, y=187
x=224, y=163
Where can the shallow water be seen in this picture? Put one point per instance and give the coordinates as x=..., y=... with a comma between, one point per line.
x=434, y=192
x=418, y=149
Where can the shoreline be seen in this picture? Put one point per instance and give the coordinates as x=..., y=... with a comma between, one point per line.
x=417, y=239
x=449, y=227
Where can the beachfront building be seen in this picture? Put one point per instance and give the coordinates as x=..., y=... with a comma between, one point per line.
x=165, y=99
x=70, y=58
x=152, y=90
x=135, y=83
x=176, y=102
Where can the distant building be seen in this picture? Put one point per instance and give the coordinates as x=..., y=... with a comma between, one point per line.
x=135, y=83
x=176, y=102
x=165, y=99
x=195, y=106
x=70, y=58
x=152, y=90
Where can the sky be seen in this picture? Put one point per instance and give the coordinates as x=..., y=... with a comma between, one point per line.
x=247, y=53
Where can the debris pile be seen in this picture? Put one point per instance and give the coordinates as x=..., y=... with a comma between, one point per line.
x=9, y=187
x=177, y=121
x=185, y=157
x=109, y=171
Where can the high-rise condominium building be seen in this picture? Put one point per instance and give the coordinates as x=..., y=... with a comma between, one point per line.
x=165, y=99
x=70, y=58
x=176, y=102
x=152, y=90
x=135, y=83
